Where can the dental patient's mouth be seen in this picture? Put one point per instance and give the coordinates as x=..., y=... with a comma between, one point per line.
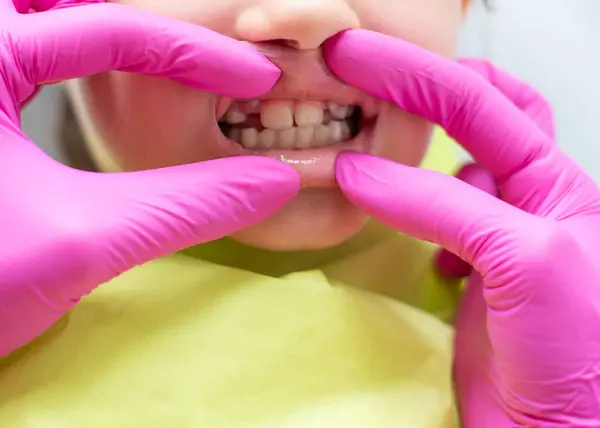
x=290, y=125
x=306, y=134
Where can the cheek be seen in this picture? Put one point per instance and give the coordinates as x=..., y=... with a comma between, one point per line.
x=146, y=122
x=143, y=122
x=215, y=15
x=402, y=137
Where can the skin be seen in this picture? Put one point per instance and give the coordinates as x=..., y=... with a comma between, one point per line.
x=134, y=122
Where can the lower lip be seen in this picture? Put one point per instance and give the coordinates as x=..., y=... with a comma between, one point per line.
x=315, y=166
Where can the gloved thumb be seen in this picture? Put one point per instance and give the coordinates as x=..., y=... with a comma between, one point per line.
x=431, y=206
x=143, y=215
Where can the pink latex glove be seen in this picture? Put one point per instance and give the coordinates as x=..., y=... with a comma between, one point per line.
x=63, y=232
x=528, y=343
x=533, y=104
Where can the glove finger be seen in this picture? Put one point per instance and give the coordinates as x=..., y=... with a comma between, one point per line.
x=105, y=224
x=79, y=41
x=25, y=6
x=499, y=136
x=447, y=263
x=531, y=267
x=149, y=214
x=525, y=97
x=434, y=207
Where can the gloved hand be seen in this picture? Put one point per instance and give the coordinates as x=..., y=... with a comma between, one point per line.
x=62, y=231
x=528, y=348
x=533, y=104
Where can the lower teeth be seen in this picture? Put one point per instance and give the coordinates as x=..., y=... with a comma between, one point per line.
x=298, y=138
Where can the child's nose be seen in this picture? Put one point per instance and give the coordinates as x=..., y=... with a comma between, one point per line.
x=301, y=24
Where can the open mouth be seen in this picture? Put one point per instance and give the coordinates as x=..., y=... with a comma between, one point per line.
x=279, y=124
x=307, y=134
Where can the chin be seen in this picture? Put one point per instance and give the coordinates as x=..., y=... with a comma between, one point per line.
x=316, y=219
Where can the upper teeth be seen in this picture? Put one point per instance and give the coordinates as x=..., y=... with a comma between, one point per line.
x=288, y=124
x=281, y=114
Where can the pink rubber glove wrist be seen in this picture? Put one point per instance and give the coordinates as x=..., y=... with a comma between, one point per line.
x=64, y=232
x=534, y=360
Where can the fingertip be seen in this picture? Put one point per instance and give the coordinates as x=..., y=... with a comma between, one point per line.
x=330, y=44
x=239, y=70
x=286, y=176
x=369, y=181
x=343, y=161
x=349, y=165
x=261, y=76
x=344, y=51
x=279, y=176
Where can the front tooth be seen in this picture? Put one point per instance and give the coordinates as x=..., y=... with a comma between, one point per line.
x=321, y=135
x=235, y=116
x=249, y=137
x=277, y=114
x=267, y=138
x=309, y=114
x=335, y=131
x=304, y=136
x=287, y=138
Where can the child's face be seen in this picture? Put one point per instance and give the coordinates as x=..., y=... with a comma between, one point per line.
x=147, y=123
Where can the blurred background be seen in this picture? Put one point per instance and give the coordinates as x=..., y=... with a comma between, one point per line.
x=553, y=44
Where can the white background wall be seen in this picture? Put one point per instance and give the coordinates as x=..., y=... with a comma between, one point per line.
x=554, y=44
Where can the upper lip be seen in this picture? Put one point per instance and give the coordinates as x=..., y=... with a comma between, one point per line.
x=305, y=76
